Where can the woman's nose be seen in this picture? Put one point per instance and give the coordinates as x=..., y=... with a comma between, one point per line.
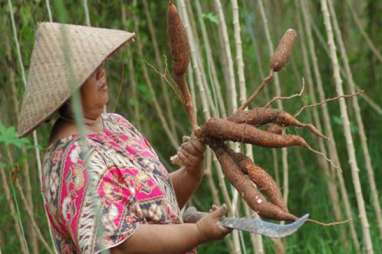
x=100, y=73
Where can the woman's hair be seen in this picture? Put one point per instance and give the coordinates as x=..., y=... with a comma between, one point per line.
x=65, y=109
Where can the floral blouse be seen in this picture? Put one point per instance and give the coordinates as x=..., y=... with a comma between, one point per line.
x=97, y=192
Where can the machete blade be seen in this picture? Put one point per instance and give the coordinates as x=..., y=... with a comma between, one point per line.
x=258, y=226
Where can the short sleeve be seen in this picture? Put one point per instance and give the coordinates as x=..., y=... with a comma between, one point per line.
x=97, y=200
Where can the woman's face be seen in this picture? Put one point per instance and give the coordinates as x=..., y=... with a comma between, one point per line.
x=94, y=94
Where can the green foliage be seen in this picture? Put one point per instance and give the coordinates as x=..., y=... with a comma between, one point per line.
x=8, y=136
x=210, y=17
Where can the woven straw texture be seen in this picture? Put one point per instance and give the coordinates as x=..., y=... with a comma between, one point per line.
x=63, y=57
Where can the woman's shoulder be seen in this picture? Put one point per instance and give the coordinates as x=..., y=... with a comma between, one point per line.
x=115, y=117
x=118, y=123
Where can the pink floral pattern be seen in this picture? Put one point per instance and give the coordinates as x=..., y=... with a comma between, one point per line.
x=96, y=192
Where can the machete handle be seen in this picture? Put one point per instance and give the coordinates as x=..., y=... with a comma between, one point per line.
x=192, y=215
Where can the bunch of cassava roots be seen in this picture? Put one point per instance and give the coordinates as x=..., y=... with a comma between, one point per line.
x=255, y=185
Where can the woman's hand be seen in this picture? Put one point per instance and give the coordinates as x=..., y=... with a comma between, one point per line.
x=190, y=155
x=210, y=227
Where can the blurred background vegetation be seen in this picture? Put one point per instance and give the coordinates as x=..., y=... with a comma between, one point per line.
x=132, y=70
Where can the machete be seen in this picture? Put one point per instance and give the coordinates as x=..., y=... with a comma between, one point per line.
x=250, y=224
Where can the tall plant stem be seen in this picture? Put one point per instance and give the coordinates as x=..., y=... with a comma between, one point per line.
x=147, y=78
x=26, y=170
x=359, y=120
x=34, y=133
x=257, y=242
x=164, y=90
x=210, y=100
x=369, y=42
x=347, y=132
x=374, y=105
x=86, y=11
x=29, y=210
x=333, y=153
x=231, y=86
x=317, y=123
x=8, y=196
x=196, y=63
x=210, y=61
x=332, y=188
x=284, y=152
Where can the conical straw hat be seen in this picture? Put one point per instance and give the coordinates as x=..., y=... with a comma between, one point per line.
x=62, y=54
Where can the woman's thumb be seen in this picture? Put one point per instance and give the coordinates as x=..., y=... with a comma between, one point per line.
x=220, y=212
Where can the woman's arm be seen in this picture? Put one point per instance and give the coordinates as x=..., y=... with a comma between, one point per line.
x=186, y=179
x=184, y=184
x=173, y=238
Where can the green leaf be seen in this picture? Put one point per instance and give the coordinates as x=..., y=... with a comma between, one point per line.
x=211, y=17
x=8, y=136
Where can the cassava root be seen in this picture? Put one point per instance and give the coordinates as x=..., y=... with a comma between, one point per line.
x=264, y=115
x=283, y=51
x=246, y=187
x=227, y=130
x=261, y=178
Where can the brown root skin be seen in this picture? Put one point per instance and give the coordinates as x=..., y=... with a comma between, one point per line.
x=275, y=129
x=246, y=188
x=264, y=115
x=284, y=50
x=261, y=178
x=226, y=130
x=180, y=49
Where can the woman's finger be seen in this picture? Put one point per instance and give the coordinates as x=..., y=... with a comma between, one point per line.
x=220, y=211
x=197, y=145
x=190, y=148
x=192, y=159
x=183, y=158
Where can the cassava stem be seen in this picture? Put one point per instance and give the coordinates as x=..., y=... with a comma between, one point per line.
x=226, y=130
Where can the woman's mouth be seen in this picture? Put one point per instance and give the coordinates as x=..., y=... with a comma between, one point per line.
x=103, y=86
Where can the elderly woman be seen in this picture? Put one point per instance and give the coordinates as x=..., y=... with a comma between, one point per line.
x=104, y=190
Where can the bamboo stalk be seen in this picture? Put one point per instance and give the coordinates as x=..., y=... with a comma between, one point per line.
x=347, y=132
x=359, y=120
x=333, y=153
x=147, y=78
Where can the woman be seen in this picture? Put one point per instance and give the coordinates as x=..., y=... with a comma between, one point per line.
x=107, y=191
